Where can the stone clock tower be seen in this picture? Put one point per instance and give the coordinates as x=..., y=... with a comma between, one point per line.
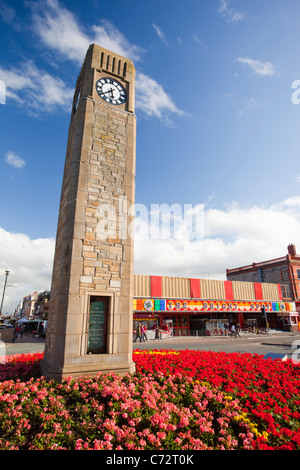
x=90, y=320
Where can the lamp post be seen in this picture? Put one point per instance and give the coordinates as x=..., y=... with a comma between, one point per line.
x=4, y=288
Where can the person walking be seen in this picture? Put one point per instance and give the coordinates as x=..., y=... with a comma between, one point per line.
x=17, y=330
x=138, y=333
x=233, y=332
x=156, y=332
x=14, y=333
x=144, y=333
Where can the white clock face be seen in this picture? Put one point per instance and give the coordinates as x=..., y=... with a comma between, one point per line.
x=111, y=91
x=148, y=304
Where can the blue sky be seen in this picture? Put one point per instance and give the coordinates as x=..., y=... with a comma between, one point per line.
x=217, y=124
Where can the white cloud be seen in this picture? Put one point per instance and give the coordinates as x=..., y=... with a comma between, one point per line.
x=240, y=104
x=30, y=265
x=152, y=99
x=197, y=40
x=36, y=89
x=230, y=14
x=291, y=202
x=14, y=160
x=259, y=68
x=159, y=33
x=234, y=236
x=59, y=30
x=109, y=37
x=250, y=103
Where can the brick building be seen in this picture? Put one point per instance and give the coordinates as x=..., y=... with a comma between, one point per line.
x=284, y=271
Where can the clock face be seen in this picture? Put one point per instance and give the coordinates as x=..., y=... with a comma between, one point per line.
x=148, y=304
x=111, y=91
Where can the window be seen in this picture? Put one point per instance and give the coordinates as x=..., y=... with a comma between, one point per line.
x=298, y=273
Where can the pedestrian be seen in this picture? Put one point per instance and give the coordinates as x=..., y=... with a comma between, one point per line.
x=138, y=334
x=14, y=333
x=17, y=330
x=156, y=332
x=238, y=330
x=144, y=333
x=233, y=333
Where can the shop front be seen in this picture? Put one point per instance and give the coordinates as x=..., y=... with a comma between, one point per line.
x=288, y=321
x=200, y=317
x=150, y=321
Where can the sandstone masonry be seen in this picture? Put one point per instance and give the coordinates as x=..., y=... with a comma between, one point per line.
x=94, y=254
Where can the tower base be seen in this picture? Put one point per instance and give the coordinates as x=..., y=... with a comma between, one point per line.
x=58, y=374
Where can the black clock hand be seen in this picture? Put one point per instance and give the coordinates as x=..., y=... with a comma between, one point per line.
x=108, y=91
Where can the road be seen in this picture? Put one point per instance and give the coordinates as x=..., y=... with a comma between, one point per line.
x=24, y=345
x=279, y=343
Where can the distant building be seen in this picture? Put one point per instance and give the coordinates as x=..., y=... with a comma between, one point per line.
x=29, y=304
x=18, y=311
x=284, y=271
x=41, y=308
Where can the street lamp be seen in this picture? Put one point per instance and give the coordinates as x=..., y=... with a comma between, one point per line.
x=5, y=282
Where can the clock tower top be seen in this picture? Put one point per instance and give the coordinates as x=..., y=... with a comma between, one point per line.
x=106, y=77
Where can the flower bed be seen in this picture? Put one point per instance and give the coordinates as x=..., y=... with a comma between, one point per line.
x=175, y=400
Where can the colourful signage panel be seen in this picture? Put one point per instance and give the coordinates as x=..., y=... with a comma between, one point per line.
x=215, y=306
x=181, y=305
x=194, y=306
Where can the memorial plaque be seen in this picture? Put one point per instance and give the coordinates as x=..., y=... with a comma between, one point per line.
x=97, y=325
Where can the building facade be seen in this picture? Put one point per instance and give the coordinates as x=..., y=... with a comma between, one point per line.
x=203, y=307
x=41, y=308
x=284, y=271
x=28, y=304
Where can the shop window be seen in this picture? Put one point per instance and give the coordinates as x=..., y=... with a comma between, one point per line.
x=180, y=324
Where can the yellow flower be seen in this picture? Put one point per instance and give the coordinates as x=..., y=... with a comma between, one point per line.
x=228, y=397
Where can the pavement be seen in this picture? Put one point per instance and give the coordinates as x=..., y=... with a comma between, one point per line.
x=27, y=344
x=277, y=342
